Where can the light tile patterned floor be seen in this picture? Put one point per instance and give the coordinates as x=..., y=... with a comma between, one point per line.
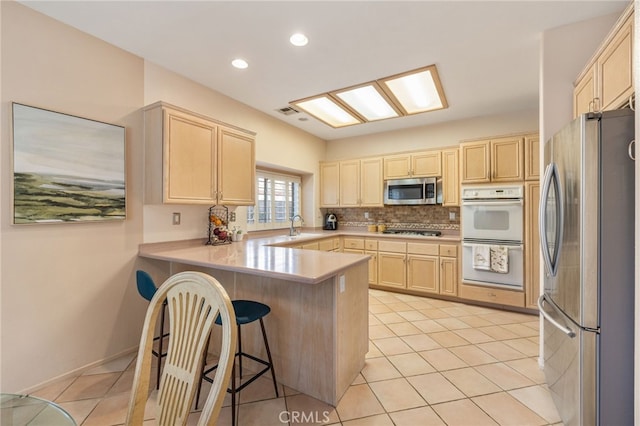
x=430, y=362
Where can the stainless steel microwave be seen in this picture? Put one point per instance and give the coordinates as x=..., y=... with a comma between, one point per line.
x=411, y=191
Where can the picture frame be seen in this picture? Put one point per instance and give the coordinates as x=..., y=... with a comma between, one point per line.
x=66, y=169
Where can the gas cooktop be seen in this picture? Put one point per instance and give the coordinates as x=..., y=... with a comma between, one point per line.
x=416, y=232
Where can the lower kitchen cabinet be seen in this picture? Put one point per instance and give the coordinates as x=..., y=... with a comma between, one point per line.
x=373, y=266
x=423, y=273
x=392, y=264
x=449, y=269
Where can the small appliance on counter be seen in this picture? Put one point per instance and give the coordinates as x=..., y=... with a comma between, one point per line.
x=330, y=222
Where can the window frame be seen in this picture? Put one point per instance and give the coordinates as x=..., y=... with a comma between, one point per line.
x=273, y=224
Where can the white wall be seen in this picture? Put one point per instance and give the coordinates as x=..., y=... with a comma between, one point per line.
x=277, y=145
x=435, y=136
x=68, y=294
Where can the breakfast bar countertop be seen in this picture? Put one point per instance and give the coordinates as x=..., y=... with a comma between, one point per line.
x=269, y=255
x=257, y=256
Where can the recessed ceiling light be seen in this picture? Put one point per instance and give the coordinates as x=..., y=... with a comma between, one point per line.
x=239, y=63
x=299, y=39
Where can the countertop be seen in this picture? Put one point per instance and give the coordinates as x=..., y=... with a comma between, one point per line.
x=260, y=254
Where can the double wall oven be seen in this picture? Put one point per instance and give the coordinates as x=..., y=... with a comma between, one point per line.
x=492, y=234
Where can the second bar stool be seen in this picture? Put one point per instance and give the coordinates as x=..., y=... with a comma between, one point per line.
x=247, y=311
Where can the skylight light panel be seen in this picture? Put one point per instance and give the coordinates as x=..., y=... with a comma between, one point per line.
x=327, y=110
x=368, y=102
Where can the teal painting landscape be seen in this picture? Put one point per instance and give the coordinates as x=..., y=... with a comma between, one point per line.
x=66, y=168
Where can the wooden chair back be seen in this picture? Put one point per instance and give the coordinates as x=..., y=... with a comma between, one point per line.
x=194, y=300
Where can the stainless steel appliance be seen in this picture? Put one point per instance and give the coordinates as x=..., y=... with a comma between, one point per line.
x=330, y=222
x=492, y=222
x=586, y=235
x=411, y=191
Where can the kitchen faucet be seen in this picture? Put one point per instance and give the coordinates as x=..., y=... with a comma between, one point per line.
x=293, y=231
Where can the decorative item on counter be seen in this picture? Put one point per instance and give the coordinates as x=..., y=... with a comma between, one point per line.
x=236, y=234
x=382, y=227
x=218, y=222
x=372, y=228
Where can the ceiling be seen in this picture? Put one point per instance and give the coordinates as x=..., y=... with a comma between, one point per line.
x=486, y=52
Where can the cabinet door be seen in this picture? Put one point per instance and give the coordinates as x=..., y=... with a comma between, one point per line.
x=423, y=273
x=532, y=157
x=475, y=161
x=189, y=159
x=371, y=184
x=350, y=183
x=450, y=179
x=449, y=276
x=373, y=267
x=507, y=156
x=615, y=69
x=392, y=269
x=397, y=166
x=236, y=168
x=532, y=245
x=426, y=164
x=585, y=93
x=330, y=184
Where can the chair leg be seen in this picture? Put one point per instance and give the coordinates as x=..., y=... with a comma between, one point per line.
x=266, y=345
x=240, y=351
x=164, y=307
x=233, y=393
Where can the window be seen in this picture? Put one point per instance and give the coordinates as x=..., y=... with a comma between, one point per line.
x=278, y=198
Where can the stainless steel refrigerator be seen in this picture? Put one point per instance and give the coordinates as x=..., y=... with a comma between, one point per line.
x=586, y=235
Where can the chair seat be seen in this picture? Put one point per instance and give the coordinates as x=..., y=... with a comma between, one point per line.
x=247, y=311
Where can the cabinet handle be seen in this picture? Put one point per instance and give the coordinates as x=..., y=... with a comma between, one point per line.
x=632, y=102
x=632, y=151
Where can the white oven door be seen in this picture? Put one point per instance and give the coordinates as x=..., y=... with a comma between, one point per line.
x=475, y=274
x=492, y=220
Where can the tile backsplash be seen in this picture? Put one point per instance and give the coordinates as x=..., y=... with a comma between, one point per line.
x=406, y=217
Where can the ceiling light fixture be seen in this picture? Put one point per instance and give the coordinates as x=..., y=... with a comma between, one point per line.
x=299, y=39
x=326, y=109
x=239, y=63
x=408, y=93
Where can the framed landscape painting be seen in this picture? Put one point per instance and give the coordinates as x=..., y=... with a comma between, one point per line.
x=66, y=168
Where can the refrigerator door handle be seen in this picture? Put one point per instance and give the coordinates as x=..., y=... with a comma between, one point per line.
x=550, y=175
x=564, y=329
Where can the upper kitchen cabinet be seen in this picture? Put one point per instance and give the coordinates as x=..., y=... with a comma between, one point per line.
x=330, y=184
x=494, y=160
x=191, y=159
x=532, y=157
x=606, y=82
x=351, y=183
x=236, y=167
x=450, y=180
x=417, y=164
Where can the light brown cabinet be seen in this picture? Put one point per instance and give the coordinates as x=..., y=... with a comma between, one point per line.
x=532, y=157
x=491, y=295
x=423, y=267
x=418, y=164
x=449, y=269
x=191, y=159
x=606, y=83
x=532, y=244
x=493, y=160
x=351, y=183
x=450, y=177
x=428, y=268
x=330, y=184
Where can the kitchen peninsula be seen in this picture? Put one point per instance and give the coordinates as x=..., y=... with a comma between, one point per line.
x=318, y=325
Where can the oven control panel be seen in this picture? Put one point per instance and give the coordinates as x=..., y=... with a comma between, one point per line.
x=492, y=192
